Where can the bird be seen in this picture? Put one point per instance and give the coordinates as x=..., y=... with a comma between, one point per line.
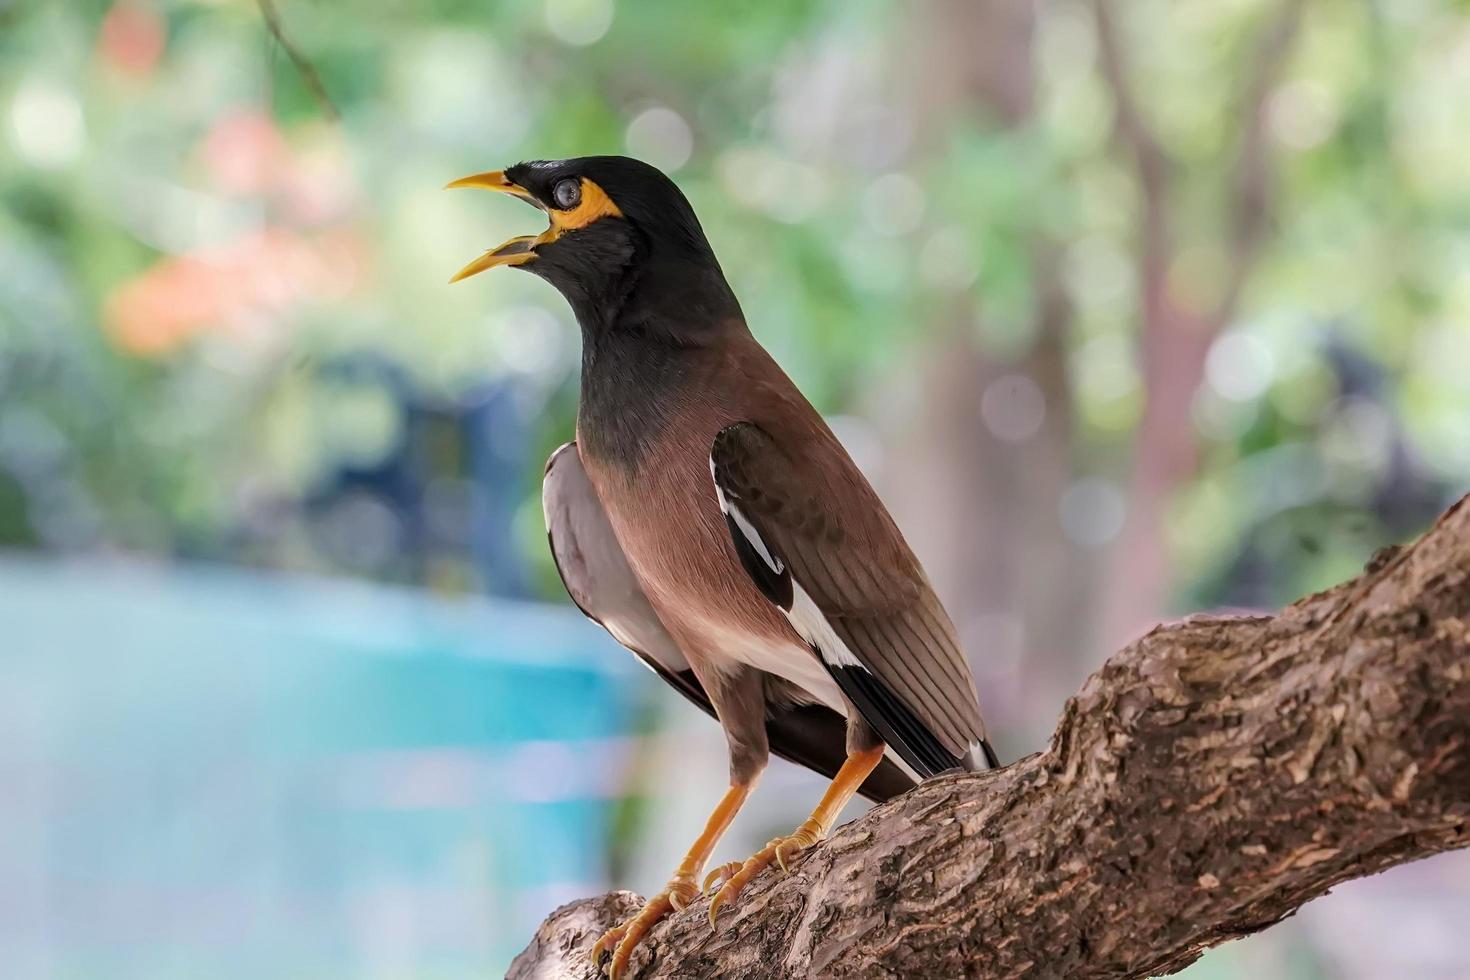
x=707, y=517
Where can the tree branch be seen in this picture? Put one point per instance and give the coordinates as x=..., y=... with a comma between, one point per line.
x=1207, y=781
x=304, y=67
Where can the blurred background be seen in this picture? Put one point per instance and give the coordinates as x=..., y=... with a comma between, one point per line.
x=1129, y=309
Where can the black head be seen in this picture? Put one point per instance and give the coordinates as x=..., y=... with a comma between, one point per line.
x=623, y=242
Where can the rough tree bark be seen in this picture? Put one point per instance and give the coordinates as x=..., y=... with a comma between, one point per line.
x=1206, y=782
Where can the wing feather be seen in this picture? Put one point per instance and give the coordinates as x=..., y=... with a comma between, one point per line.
x=597, y=576
x=853, y=590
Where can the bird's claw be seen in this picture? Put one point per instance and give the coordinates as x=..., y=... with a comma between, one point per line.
x=792, y=847
x=607, y=941
x=719, y=876
x=622, y=939
x=782, y=851
x=682, y=893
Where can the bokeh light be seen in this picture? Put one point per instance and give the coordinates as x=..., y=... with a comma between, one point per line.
x=288, y=683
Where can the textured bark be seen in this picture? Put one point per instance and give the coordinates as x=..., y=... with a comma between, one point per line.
x=1206, y=782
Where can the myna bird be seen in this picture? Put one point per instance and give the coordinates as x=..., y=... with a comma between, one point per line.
x=709, y=520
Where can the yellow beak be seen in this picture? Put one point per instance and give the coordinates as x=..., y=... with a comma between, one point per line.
x=517, y=251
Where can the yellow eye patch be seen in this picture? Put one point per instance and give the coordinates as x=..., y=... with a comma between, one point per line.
x=595, y=204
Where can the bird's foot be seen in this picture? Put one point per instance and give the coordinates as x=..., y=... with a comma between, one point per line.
x=720, y=875
x=782, y=851
x=621, y=940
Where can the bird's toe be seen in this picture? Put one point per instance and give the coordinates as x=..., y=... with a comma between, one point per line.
x=621, y=940
x=788, y=849
x=607, y=942
x=720, y=875
x=682, y=892
x=782, y=852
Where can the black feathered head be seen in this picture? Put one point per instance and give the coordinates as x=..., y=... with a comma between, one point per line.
x=621, y=232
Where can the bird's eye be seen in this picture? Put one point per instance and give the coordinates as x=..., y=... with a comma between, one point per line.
x=567, y=194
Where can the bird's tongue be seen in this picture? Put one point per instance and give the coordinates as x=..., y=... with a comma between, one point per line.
x=516, y=246
x=517, y=251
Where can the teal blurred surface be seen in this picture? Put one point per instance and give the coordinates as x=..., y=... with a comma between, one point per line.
x=214, y=774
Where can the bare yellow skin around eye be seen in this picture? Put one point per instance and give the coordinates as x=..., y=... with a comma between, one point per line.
x=595, y=204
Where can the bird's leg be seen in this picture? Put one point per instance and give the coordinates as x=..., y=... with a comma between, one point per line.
x=682, y=888
x=783, y=849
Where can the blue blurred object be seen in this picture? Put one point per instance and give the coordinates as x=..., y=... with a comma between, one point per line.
x=213, y=774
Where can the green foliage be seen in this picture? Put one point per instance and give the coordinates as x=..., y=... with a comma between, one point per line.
x=153, y=143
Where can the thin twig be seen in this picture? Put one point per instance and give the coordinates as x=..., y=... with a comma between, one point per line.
x=309, y=75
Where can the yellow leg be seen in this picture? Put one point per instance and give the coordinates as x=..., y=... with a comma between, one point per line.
x=781, y=850
x=679, y=892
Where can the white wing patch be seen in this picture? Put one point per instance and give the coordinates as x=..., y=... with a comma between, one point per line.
x=811, y=624
x=746, y=528
x=753, y=536
x=809, y=621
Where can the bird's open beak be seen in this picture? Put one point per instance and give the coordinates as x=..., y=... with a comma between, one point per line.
x=517, y=251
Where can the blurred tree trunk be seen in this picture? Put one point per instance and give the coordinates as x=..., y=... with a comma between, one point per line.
x=982, y=511
x=1176, y=328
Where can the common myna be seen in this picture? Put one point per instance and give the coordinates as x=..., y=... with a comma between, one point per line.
x=708, y=519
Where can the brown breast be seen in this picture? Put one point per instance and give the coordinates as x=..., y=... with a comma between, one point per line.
x=666, y=515
x=668, y=520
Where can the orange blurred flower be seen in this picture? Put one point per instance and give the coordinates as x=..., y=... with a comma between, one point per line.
x=132, y=37
x=244, y=288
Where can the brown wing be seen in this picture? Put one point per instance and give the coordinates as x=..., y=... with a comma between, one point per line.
x=598, y=578
x=818, y=542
